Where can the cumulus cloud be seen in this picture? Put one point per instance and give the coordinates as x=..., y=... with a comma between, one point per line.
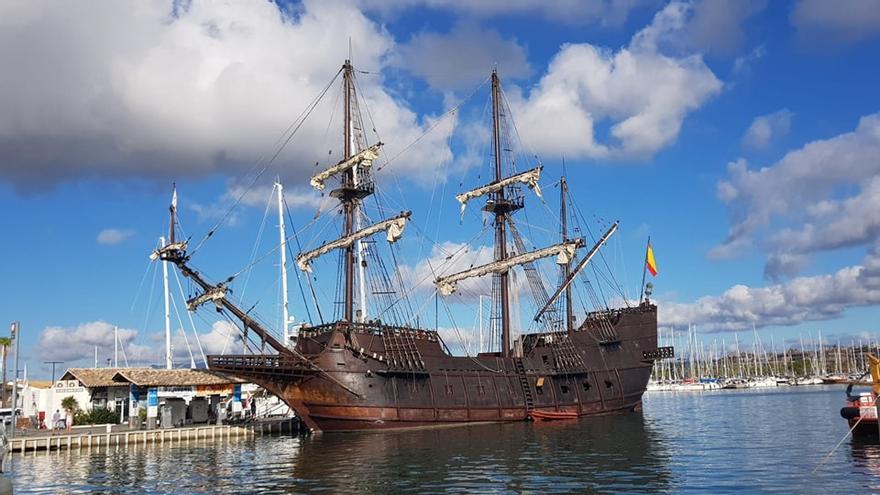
x=223, y=338
x=784, y=265
x=842, y=21
x=641, y=93
x=767, y=128
x=717, y=24
x=612, y=13
x=834, y=224
x=437, y=58
x=256, y=196
x=162, y=89
x=110, y=237
x=799, y=300
x=813, y=180
x=448, y=258
x=452, y=257
x=77, y=344
x=710, y=26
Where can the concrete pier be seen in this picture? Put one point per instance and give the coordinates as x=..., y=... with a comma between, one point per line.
x=156, y=436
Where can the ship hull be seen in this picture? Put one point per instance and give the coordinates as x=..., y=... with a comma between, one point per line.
x=372, y=382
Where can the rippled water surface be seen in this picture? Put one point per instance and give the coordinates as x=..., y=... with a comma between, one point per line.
x=714, y=442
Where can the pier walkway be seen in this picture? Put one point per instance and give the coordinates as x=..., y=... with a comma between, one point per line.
x=92, y=438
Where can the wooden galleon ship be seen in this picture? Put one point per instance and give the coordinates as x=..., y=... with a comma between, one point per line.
x=359, y=373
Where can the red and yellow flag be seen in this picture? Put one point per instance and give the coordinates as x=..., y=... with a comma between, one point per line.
x=650, y=261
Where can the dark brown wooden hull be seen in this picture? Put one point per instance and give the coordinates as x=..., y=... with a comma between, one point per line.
x=367, y=382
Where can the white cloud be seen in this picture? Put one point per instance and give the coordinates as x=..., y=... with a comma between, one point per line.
x=257, y=196
x=77, y=344
x=834, y=224
x=743, y=64
x=223, y=338
x=110, y=237
x=438, y=58
x=767, y=128
x=612, y=13
x=802, y=299
x=841, y=21
x=641, y=93
x=784, y=265
x=445, y=259
x=808, y=180
x=151, y=90
x=716, y=25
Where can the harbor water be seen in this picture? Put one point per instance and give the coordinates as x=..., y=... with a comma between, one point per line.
x=742, y=441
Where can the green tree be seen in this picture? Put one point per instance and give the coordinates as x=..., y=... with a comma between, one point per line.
x=96, y=416
x=5, y=343
x=69, y=404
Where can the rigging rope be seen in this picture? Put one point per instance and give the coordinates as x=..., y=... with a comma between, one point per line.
x=295, y=127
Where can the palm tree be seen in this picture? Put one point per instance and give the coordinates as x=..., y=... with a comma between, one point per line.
x=5, y=343
x=69, y=404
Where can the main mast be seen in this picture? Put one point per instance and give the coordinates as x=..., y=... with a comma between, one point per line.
x=348, y=199
x=501, y=209
x=566, y=268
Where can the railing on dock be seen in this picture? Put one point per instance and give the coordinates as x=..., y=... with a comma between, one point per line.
x=155, y=436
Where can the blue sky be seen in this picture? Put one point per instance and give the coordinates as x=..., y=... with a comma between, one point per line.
x=743, y=137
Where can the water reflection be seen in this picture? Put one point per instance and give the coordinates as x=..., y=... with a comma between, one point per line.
x=739, y=442
x=866, y=459
x=614, y=453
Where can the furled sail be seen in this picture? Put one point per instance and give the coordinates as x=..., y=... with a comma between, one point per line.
x=393, y=228
x=577, y=269
x=167, y=249
x=564, y=253
x=529, y=177
x=363, y=159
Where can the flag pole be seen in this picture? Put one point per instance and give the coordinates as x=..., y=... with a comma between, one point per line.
x=644, y=272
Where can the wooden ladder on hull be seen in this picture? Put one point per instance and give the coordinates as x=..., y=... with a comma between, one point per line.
x=524, y=382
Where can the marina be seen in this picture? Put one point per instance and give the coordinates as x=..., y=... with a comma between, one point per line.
x=425, y=246
x=679, y=443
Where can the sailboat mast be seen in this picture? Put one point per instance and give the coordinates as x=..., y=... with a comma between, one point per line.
x=566, y=268
x=285, y=311
x=348, y=201
x=167, y=309
x=500, y=216
x=173, y=211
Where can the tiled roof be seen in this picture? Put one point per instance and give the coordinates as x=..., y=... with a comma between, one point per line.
x=146, y=377
x=94, y=377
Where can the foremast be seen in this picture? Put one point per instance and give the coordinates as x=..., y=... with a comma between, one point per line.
x=348, y=194
x=355, y=185
x=175, y=252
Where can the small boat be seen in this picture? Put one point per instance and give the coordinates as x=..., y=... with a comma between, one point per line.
x=551, y=415
x=861, y=410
